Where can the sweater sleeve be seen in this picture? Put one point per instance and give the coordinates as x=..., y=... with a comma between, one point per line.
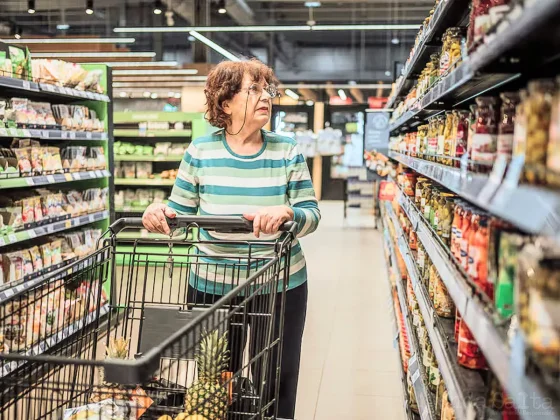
x=184, y=197
x=301, y=194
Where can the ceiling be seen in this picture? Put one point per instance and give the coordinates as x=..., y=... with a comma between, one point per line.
x=367, y=56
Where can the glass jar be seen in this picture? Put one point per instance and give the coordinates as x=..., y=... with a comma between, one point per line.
x=432, y=139
x=472, y=249
x=538, y=106
x=434, y=69
x=446, y=218
x=440, y=124
x=421, y=259
x=418, y=190
x=425, y=201
x=519, y=146
x=422, y=140
x=498, y=9
x=434, y=205
x=465, y=236
x=479, y=22
x=444, y=58
x=484, y=141
x=448, y=139
x=443, y=304
x=510, y=100
x=553, y=149
x=461, y=134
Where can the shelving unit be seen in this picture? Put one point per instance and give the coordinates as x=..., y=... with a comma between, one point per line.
x=135, y=158
x=30, y=234
x=155, y=182
x=484, y=326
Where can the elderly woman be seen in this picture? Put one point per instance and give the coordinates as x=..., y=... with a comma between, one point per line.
x=244, y=170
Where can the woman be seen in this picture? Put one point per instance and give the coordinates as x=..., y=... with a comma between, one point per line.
x=244, y=170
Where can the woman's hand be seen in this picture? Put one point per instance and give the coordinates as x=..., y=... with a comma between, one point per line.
x=154, y=219
x=269, y=219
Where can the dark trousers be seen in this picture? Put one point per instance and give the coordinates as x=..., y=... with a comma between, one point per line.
x=294, y=320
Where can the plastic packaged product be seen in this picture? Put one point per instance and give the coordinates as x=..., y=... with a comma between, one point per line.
x=498, y=9
x=537, y=109
x=432, y=282
x=456, y=231
x=553, y=150
x=448, y=138
x=510, y=100
x=447, y=411
x=412, y=396
x=484, y=141
x=478, y=254
x=465, y=237
x=440, y=124
x=443, y=304
x=538, y=301
x=469, y=354
x=432, y=139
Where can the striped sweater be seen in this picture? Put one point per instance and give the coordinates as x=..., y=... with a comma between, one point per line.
x=214, y=180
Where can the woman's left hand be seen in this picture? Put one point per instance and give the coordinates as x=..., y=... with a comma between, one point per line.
x=269, y=219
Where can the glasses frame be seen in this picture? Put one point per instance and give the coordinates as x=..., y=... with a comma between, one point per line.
x=272, y=90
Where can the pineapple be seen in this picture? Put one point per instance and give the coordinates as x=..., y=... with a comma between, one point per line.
x=207, y=396
x=117, y=349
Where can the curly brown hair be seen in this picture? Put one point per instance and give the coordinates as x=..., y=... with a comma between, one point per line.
x=224, y=82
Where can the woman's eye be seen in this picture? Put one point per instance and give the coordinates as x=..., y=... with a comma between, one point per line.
x=254, y=89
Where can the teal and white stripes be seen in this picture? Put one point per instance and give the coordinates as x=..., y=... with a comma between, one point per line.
x=213, y=180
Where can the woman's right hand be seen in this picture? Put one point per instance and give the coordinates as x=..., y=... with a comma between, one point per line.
x=154, y=218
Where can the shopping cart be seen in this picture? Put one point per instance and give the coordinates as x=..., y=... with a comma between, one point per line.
x=121, y=334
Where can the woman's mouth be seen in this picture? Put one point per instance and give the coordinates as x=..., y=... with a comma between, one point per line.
x=263, y=108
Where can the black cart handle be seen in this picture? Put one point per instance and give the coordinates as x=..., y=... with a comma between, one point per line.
x=224, y=224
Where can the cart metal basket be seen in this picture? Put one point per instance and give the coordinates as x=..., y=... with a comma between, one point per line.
x=122, y=334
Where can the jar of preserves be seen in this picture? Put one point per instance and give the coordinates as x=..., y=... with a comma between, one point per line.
x=432, y=282
x=469, y=354
x=446, y=218
x=449, y=140
x=418, y=190
x=440, y=121
x=421, y=259
x=434, y=69
x=461, y=134
x=444, y=58
x=484, y=141
x=456, y=228
x=434, y=204
x=553, y=150
x=538, y=106
x=480, y=21
x=426, y=202
x=432, y=139
x=510, y=100
x=520, y=127
x=422, y=140
x=465, y=237
x=472, y=250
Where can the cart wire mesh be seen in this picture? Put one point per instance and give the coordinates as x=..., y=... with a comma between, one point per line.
x=134, y=332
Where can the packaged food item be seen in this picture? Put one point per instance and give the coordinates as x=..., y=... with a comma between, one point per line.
x=553, y=150
x=538, y=300
x=449, y=140
x=510, y=101
x=509, y=412
x=460, y=134
x=537, y=110
x=484, y=141
x=19, y=62
x=480, y=22
x=478, y=255
x=412, y=396
x=422, y=141
x=509, y=247
x=432, y=139
x=443, y=304
x=465, y=237
x=440, y=124
x=447, y=411
x=469, y=354
x=456, y=230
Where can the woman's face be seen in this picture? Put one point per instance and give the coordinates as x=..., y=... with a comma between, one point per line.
x=254, y=100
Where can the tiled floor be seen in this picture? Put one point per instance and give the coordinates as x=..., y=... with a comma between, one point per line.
x=349, y=367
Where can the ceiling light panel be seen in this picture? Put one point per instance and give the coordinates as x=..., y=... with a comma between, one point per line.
x=74, y=41
x=94, y=54
x=215, y=46
x=169, y=72
x=295, y=28
x=142, y=63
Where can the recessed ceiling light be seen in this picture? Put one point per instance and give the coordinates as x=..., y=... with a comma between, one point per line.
x=89, y=7
x=122, y=94
x=154, y=96
x=30, y=6
x=309, y=103
x=352, y=82
x=312, y=4
x=146, y=94
x=395, y=41
x=387, y=73
x=170, y=94
x=192, y=38
x=177, y=95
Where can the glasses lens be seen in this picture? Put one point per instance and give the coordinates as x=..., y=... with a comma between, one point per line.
x=272, y=91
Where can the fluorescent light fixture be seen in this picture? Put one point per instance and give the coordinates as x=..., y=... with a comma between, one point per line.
x=309, y=103
x=362, y=27
x=142, y=63
x=75, y=40
x=177, y=95
x=312, y=4
x=147, y=79
x=94, y=54
x=122, y=94
x=395, y=41
x=214, y=46
x=292, y=94
x=276, y=28
x=191, y=38
x=222, y=11
x=146, y=94
x=387, y=73
x=342, y=94
x=155, y=85
x=62, y=26
x=170, y=72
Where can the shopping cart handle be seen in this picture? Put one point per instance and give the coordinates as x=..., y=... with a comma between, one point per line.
x=225, y=224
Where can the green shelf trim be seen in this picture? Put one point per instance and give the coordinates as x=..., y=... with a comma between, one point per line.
x=125, y=132
x=141, y=158
x=34, y=133
x=25, y=235
x=33, y=181
x=145, y=182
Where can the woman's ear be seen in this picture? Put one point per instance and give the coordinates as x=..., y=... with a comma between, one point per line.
x=226, y=107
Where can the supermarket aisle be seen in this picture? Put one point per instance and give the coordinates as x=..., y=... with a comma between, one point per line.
x=349, y=367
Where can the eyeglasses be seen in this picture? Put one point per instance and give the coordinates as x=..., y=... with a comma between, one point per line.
x=257, y=90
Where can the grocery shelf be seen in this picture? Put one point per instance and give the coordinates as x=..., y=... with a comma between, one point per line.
x=48, y=229
x=125, y=132
x=505, y=199
x=410, y=415
x=490, y=337
x=44, y=89
x=467, y=80
x=447, y=14
x=140, y=158
x=51, y=134
x=141, y=235
x=131, y=209
x=155, y=182
x=18, y=182
x=424, y=397
x=43, y=346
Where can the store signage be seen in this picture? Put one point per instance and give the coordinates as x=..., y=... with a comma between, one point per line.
x=387, y=191
x=377, y=132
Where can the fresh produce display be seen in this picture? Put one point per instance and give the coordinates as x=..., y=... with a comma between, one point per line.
x=25, y=113
x=18, y=210
x=158, y=149
x=61, y=73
